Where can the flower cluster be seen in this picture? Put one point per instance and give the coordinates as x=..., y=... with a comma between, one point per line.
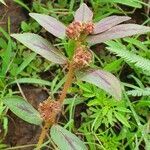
x=49, y=110
x=76, y=29
x=82, y=57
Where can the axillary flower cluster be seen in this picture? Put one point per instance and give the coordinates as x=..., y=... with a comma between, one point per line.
x=49, y=109
x=78, y=31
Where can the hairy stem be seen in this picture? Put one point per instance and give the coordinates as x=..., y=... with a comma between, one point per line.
x=43, y=134
x=67, y=84
x=69, y=80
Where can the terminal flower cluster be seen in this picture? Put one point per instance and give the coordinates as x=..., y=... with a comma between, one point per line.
x=77, y=29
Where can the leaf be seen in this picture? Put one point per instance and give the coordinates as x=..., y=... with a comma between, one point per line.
x=118, y=31
x=22, y=4
x=110, y=116
x=137, y=43
x=6, y=35
x=83, y=13
x=143, y=103
x=50, y=24
x=3, y=2
x=108, y=23
x=131, y=3
x=129, y=57
x=65, y=140
x=103, y=80
x=122, y=119
x=40, y=46
x=3, y=146
x=31, y=80
x=25, y=63
x=23, y=109
x=3, y=43
x=6, y=57
x=70, y=47
x=122, y=109
x=114, y=65
x=139, y=92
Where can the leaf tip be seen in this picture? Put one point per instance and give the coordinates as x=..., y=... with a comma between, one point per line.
x=32, y=14
x=14, y=35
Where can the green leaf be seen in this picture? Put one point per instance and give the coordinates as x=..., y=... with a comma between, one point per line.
x=128, y=56
x=3, y=146
x=132, y=3
x=70, y=48
x=113, y=66
x=6, y=35
x=25, y=63
x=5, y=124
x=143, y=103
x=103, y=80
x=110, y=116
x=122, y=119
x=31, y=80
x=65, y=140
x=137, y=43
x=23, y=109
x=122, y=109
x=41, y=46
x=22, y=5
x=139, y=92
x=6, y=57
x=3, y=43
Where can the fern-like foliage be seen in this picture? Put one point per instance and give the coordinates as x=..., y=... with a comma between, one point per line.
x=139, y=92
x=130, y=57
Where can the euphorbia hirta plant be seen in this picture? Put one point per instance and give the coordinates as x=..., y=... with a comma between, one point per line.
x=84, y=33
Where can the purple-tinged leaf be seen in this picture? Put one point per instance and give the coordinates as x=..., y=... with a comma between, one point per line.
x=23, y=109
x=65, y=140
x=108, y=23
x=50, y=24
x=40, y=46
x=103, y=80
x=118, y=31
x=83, y=14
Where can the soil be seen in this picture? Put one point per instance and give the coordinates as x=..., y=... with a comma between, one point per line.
x=13, y=12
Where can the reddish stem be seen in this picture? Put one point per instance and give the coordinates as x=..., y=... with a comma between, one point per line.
x=67, y=84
